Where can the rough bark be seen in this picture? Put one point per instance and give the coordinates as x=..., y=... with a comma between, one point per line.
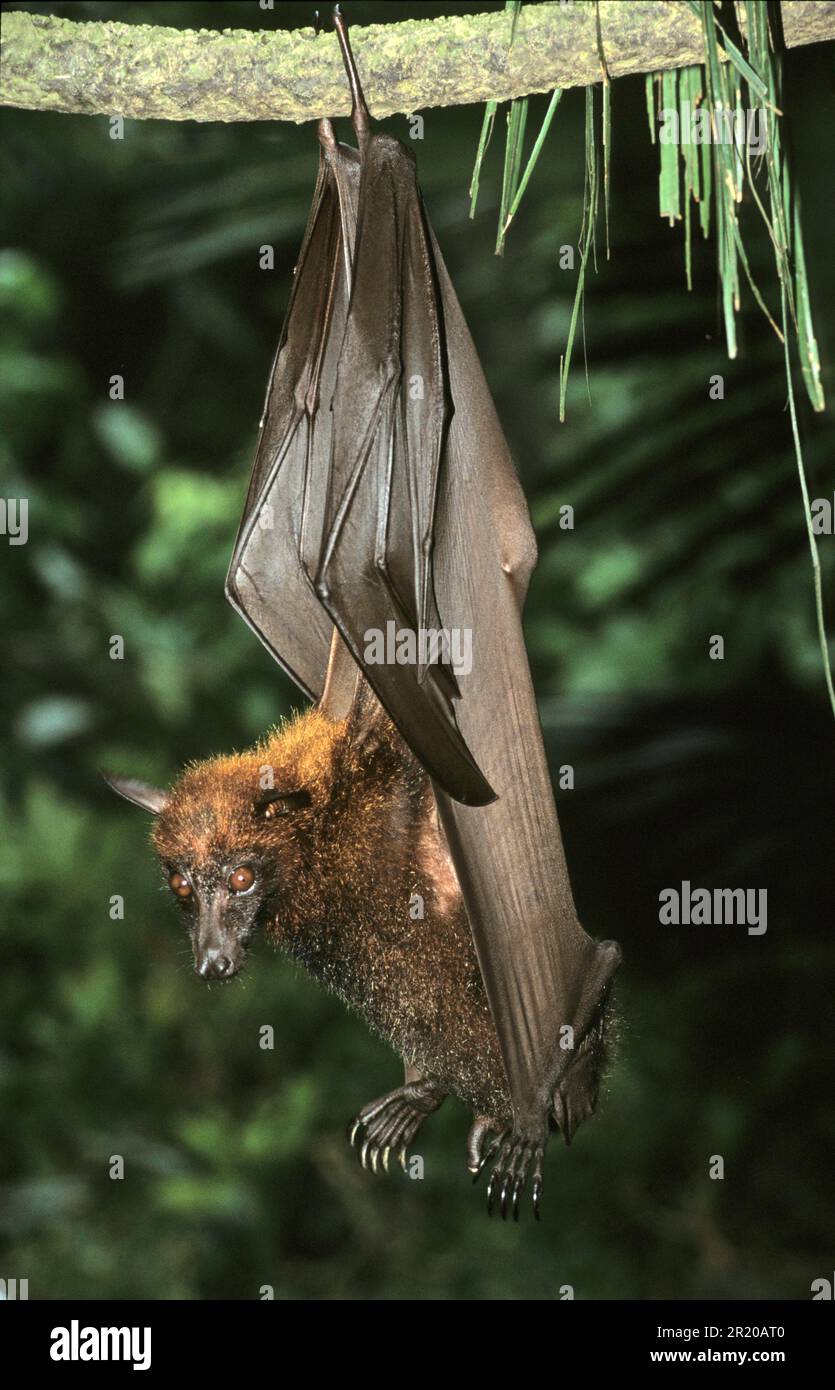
x=146, y=72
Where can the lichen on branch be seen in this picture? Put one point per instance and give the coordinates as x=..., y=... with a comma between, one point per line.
x=148, y=72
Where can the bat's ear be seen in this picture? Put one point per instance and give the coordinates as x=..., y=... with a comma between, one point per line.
x=140, y=793
x=367, y=725
x=348, y=696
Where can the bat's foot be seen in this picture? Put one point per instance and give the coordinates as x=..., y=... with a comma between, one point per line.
x=389, y=1125
x=517, y=1157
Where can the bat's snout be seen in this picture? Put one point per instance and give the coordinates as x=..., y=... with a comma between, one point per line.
x=221, y=936
x=216, y=964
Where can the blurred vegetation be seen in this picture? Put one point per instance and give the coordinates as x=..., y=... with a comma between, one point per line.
x=140, y=257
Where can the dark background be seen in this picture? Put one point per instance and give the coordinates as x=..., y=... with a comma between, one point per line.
x=141, y=257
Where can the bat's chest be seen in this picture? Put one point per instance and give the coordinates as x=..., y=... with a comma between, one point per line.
x=416, y=983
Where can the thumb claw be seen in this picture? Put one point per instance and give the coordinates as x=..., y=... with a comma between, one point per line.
x=482, y=1126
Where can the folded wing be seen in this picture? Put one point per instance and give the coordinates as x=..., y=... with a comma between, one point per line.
x=280, y=536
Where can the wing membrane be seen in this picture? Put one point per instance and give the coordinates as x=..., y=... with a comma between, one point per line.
x=280, y=536
x=391, y=414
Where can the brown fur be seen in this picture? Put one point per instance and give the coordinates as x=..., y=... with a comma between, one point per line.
x=346, y=871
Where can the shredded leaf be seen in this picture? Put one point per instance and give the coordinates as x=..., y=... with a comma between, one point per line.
x=586, y=243
x=484, y=141
x=534, y=156
x=516, y=121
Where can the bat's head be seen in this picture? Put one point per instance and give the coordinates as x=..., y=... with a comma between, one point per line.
x=235, y=839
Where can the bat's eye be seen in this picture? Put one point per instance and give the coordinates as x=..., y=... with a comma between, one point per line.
x=180, y=885
x=241, y=879
x=273, y=804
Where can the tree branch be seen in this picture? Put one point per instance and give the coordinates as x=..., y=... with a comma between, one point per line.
x=147, y=72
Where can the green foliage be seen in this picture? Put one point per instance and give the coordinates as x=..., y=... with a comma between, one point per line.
x=720, y=171
x=141, y=258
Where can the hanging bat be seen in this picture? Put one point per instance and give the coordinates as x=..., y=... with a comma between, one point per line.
x=400, y=838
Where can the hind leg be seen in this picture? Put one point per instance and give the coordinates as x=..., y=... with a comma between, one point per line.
x=392, y=1122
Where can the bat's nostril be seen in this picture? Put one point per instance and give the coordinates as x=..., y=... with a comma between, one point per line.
x=215, y=966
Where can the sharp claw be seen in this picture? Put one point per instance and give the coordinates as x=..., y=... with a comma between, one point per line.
x=481, y=1167
x=352, y=1133
x=504, y=1197
x=500, y=1171
x=374, y=1155
x=364, y=1153
x=401, y=1158
x=485, y=1159
x=537, y=1192
x=386, y=1155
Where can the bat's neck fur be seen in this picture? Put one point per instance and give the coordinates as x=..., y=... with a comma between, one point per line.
x=362, y=890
